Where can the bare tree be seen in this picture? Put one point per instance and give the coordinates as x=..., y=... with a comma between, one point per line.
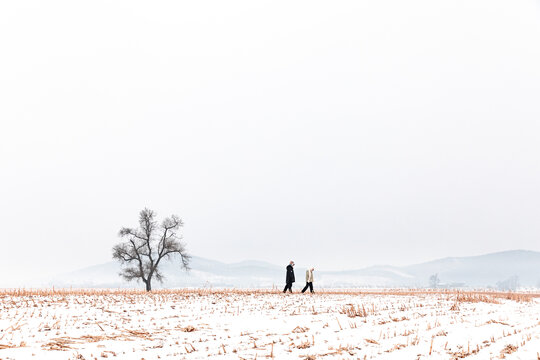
x=434, y=281
x=147, y=245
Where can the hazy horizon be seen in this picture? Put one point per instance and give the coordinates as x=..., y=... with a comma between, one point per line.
x=341, y=135
x=307, y=265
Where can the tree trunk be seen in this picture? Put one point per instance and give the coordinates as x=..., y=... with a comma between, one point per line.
x=149, y=281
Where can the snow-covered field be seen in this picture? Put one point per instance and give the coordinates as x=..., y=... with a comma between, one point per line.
x=197, y=324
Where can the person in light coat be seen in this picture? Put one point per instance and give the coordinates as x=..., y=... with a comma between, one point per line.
x=309, y=280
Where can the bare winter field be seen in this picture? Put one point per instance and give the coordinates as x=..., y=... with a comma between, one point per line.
x=197, y=324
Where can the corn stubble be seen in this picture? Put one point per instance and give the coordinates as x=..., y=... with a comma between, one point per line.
x=258, y=323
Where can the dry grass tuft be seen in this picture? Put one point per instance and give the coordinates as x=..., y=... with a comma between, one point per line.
x=475, y=298
x=304, y=345
x=189, y=328
x=300, y=329
x=507, y=350
x=354, y=311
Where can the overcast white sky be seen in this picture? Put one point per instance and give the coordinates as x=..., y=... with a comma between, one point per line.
x=338, y=133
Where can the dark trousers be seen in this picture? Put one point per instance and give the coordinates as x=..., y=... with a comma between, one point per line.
x=288, y=287
x=308, y=285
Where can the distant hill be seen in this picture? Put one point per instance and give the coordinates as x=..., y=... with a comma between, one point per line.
x=474, y=271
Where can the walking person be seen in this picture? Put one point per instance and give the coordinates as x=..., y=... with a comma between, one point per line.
x=309, y=280
x=290, y=277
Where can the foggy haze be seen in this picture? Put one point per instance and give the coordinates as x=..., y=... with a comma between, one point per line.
x=338, y=134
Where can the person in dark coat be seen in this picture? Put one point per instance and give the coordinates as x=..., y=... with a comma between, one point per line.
x=290, y=277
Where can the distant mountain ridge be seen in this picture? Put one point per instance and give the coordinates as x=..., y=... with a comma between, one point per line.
x=488, y=270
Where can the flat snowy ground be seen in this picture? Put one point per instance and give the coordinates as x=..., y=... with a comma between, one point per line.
x=191, y=324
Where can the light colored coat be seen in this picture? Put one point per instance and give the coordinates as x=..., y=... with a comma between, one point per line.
x=309, y=275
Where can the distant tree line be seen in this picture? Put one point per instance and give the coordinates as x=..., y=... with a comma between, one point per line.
x=510, y=284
